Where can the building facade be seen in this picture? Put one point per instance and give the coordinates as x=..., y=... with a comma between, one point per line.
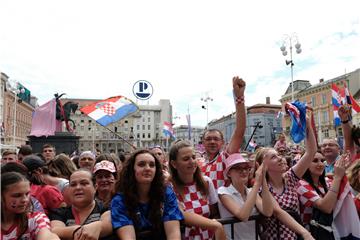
x=319, y=98
x=182, y=132
x=16, y=114
x=266, y=114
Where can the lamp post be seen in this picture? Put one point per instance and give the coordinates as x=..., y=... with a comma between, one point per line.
x=287, y=42
x=206, y=100
x=16, y=91
x=255, y=127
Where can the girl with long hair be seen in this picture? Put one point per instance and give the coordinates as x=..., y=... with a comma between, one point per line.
x=17, y=221
x=282, y=183
x=143, y=202
x=196, y=193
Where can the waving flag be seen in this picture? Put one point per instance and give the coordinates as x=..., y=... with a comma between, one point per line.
x=340, y=97
x=168, y=130
x=110, y=110
x=297, y=112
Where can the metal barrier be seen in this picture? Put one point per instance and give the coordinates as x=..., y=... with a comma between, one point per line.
x=233, y=220
x=223, y=221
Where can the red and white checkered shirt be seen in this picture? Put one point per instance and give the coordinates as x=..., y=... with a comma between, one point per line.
x=287, y=200
x=36, y=221
x=307, y=197
x=214, y=169
x=194, y=201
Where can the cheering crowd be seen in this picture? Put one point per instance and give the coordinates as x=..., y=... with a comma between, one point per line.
x=310, y=193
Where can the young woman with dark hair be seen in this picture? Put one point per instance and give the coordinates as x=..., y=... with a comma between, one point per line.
x=315, y=190
x=196, y=193
x=143, y=202
x=17, y=221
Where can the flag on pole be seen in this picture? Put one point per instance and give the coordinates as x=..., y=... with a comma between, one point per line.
x=168, y=131
x=43, y=121
x=110, y=110
x=189, y=126
x=340, y=97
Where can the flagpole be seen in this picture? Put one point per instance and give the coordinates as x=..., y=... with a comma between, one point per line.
x=134, y=148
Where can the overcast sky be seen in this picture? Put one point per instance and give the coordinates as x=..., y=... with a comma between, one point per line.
x=186, y=49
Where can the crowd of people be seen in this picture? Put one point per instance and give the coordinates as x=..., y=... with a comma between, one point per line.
x=278, y=192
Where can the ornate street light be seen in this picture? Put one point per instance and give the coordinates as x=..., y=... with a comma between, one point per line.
x=287, y=42
x=206, y=100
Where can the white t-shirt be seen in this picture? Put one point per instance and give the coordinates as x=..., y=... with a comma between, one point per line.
x=243, y=230
x=62, y=184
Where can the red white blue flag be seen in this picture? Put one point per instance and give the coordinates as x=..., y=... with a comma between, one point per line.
x=168, y=131
x=340, y=97
x=110, y=110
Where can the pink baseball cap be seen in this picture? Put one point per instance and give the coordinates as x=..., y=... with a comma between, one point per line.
x=232, y=160
x=104, y=165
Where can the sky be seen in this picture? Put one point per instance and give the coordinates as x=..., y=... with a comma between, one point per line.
x=187, y=50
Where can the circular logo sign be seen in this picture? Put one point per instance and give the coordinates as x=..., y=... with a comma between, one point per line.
x=142, y=90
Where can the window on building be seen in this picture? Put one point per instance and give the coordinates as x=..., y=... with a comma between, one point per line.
x=325, y=116
x=149, y=119
x=138, y=136
x=115, y=129
x=149, y=135
x=313, y=101
x=82, y=120
x=149, y=127
x=143, y=135
x=137, y=127
x=89, y=121
x=143, y=127
x=157, y=136
x=126, y=121
x=326, y=133
x=89, y=128
x=323, y=98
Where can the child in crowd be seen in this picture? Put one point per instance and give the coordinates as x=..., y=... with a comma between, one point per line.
x=17, y=222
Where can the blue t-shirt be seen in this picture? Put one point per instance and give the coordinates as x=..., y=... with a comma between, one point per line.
x=119, y=217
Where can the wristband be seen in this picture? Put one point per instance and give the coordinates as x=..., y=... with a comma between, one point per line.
x=346, y=121
x=239, y=100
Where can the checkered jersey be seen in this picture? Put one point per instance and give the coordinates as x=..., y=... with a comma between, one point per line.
x=214, y=169
x=194, y=201
x=36, y=222
x=287, y=200
x=307, y=197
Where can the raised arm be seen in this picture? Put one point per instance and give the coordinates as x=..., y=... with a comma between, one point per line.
x=240, y=125
x=264, y=203
x=243, y=212
x=46, y=234
x=328, y=202
x=344, y=114
x=310, y=151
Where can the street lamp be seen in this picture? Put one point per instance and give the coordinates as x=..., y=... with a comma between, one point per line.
x=288, y=41
x=16, y=91
x=206, y=100
x=252, y=134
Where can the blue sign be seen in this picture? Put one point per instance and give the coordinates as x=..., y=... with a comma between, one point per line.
x=142, y=90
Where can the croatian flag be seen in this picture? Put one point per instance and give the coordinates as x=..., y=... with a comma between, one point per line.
x=346, y=223
x=168, y=130
x=340, y=97
x=110, y=110
x=297, y=112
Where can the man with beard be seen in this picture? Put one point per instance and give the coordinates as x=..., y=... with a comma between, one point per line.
x=213, y=139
